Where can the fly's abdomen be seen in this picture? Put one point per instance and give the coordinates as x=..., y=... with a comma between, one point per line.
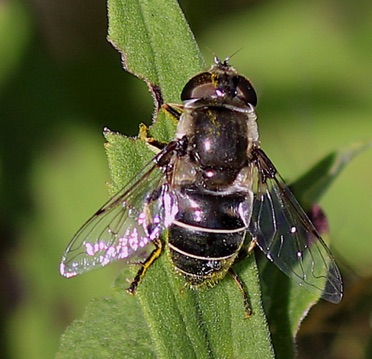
x=206, y=236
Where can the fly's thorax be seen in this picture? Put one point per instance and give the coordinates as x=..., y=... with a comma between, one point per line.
x=221, y=133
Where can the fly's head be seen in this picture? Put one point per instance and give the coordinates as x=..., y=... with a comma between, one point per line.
x=220, y=84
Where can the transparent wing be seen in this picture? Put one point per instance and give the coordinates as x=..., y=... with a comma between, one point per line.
x=285, y=234
x=124, y=226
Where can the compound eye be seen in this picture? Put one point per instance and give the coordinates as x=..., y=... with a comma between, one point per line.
x=245, y=91
x=199, y=86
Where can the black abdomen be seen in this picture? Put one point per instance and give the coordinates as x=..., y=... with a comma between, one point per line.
x=206, y=235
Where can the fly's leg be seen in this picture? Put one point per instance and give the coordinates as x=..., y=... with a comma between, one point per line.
x=241, y=286
x=246, y=251
x=155, y=254
x=145, y=266
x=163, y=160
x=155, y=146
x=251, y=246
x=173, y=110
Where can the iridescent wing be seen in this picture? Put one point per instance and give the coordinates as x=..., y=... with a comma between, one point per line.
x=127, y=223
x=285, y=234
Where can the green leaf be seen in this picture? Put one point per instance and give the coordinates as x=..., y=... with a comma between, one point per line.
x=126, y=157
x=165, y=319
x=184, y=323
x=195, y=323
x=311, y=186
x=156, y=43
x=111, y=327
x=285, y=303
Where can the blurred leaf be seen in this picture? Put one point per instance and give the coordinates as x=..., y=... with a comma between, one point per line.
x=286, y=304
x=311, y=186
x=15, y=21
x=103, y=331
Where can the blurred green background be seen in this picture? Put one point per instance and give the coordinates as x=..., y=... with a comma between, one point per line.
x=61, y=83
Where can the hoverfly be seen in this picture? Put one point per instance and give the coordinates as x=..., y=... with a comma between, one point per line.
x=213, y=192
